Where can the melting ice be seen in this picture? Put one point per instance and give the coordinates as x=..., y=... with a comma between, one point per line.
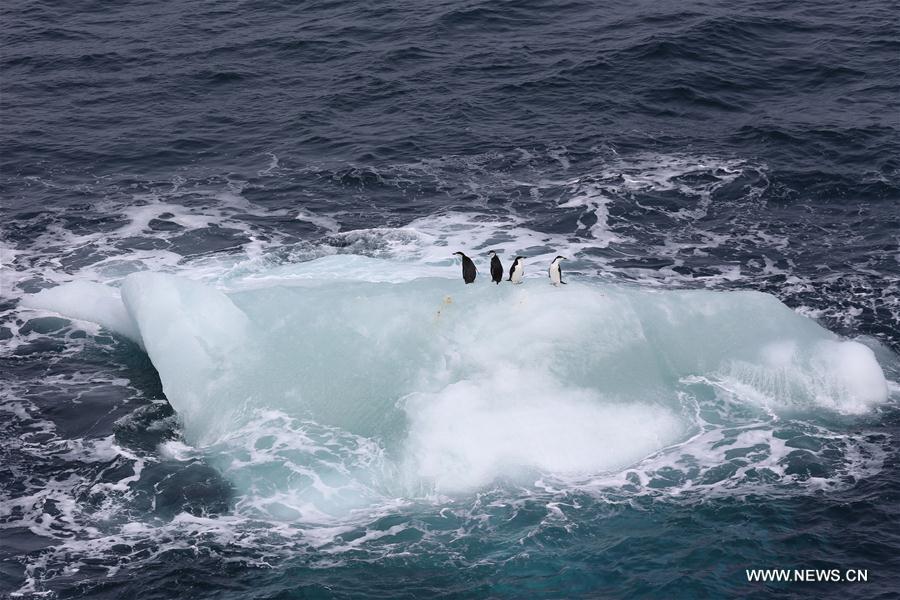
x=320, y=393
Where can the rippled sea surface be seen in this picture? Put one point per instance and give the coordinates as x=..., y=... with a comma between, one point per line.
x=660, y=146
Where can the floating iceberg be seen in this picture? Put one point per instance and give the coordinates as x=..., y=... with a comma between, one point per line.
x=460, y=384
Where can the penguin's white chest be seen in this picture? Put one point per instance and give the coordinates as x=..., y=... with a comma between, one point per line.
x=517, y=272
x=555, y=276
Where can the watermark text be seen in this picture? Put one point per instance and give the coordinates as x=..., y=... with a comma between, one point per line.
x=808, y=575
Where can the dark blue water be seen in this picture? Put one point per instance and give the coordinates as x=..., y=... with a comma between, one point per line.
x=664, y=145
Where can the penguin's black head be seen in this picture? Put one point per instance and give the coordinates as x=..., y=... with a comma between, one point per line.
x=458, y=253
x=560, y=258
x=492, y=253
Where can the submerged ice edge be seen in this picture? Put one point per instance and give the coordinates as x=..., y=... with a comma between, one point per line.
x=252, y=533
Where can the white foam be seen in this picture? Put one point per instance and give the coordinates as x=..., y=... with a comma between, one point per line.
x=325, y=222
x=849, y=373
x=474, y=431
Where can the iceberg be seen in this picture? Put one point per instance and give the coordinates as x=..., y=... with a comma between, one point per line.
x=462, y=384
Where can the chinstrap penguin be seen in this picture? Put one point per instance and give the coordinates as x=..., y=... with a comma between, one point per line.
x=556, y=271
x=496, y=268
x=517, y=270
x=468, y=267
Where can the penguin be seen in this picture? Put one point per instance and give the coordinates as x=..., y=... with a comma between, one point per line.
x=468, y=267
x=556, y=271
x=517, y=270
x=496, y=268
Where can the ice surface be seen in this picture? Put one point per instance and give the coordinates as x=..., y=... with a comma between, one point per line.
x=88, y=301
x=462, y=384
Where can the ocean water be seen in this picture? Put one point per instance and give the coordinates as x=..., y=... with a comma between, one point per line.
x=238, y=359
